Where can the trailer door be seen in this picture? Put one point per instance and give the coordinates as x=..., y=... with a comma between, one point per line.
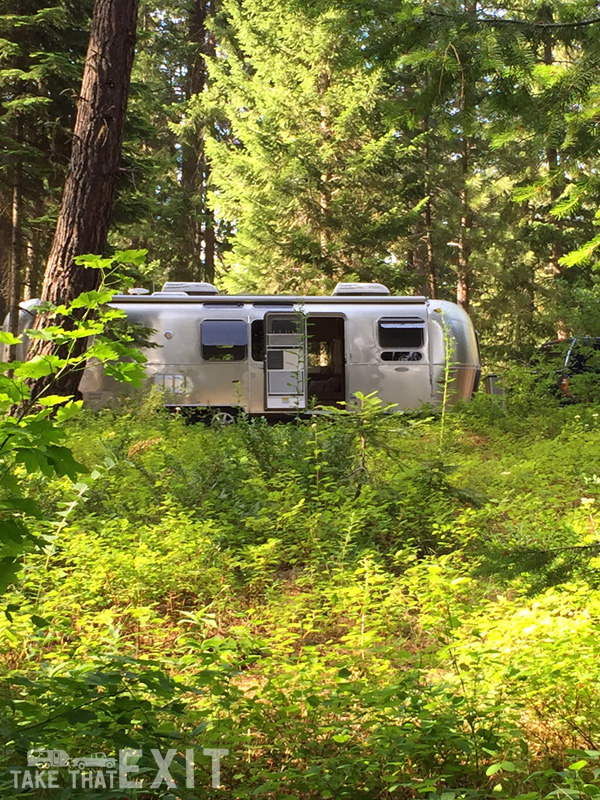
x=403, y=374
x=285, y=361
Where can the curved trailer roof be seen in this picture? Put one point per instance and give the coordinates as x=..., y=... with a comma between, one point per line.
x=267, y=299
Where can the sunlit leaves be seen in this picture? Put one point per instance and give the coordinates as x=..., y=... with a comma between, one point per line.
x=32, y=425
x=9, y=338
x=582, y=255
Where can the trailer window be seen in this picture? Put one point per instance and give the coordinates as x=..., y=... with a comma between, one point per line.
x=224, y=339
x=407, y=332
x=285, y=325
x=399, y=355
x=257, y=339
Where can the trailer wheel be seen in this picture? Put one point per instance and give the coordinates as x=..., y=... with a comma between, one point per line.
x=222, y=418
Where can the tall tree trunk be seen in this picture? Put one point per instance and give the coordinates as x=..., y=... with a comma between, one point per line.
x=88, y=196
x=210, y=239
x=323, y=84
x=5, y=237
x=556, y=251
x=209, y=229
x=463, y=282
x=195, y=170
x=431, y=266
x=34, y=267
x=16, y=239
x=86, y=208
x=430, y=258
x=552, y=158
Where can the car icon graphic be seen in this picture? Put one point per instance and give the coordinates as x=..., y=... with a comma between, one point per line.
x=95, y=761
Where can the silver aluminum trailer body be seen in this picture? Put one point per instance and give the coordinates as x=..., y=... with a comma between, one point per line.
x=274, y=355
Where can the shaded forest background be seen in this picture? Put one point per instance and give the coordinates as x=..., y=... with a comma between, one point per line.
x=444, y=148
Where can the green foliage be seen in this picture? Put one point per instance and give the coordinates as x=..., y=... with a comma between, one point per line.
x=308, y=171
x=32, y=423
x=348, y=613
x=42, y=49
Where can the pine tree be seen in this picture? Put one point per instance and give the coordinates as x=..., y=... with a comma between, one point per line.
x=84, y=217
x=165, y=149
x=306, y=162
x=42, y=46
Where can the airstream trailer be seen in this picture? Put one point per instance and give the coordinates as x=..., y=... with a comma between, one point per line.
x=278, y=355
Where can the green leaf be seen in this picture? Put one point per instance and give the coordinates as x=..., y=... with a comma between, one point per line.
x=34, y=460
x=9, y=568
x=92, y=299
x=126, y=372
x=9, y=338
x=578, y=765
x=24, y=504
x=93, y=261
x=39, y=366
x=69, y=410
x=9, y=609
x=61, y=458
x=80, y=715
x=40, y=622
x=14, y=536
x=53, y=399
x=135, y=257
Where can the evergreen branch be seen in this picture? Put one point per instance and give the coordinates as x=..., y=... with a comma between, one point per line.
x=497, y=21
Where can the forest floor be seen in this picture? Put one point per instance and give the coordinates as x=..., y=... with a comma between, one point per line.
x=357, y=606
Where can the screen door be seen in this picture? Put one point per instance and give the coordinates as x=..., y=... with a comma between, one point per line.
x=285, y=361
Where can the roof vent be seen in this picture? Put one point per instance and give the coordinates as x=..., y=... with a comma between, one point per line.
x=179, y=287
x=360, y=288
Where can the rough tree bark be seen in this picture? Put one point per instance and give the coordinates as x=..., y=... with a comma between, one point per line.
x=34, y=266
x=464, y=276
x=552, y=158
x=87, y=202
x=555, y=177
x=5, y=234
x=195, y=169
x=463, y=282
x=430, y=260
x=16, y=238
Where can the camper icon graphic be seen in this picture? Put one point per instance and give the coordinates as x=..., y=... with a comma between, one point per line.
x=47, y=758
x=59, y=758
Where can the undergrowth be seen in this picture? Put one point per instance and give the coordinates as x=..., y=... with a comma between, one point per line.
x=348, y=609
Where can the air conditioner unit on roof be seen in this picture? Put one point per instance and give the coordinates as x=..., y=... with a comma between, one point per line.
x=191, y=288
x=360, y=288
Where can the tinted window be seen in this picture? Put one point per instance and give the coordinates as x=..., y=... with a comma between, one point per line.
x=398, y=333
x=258, y=339
x=397, y=355
x=584, y=356
x=553, y=353
x=224, y=339
x=284, y=325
